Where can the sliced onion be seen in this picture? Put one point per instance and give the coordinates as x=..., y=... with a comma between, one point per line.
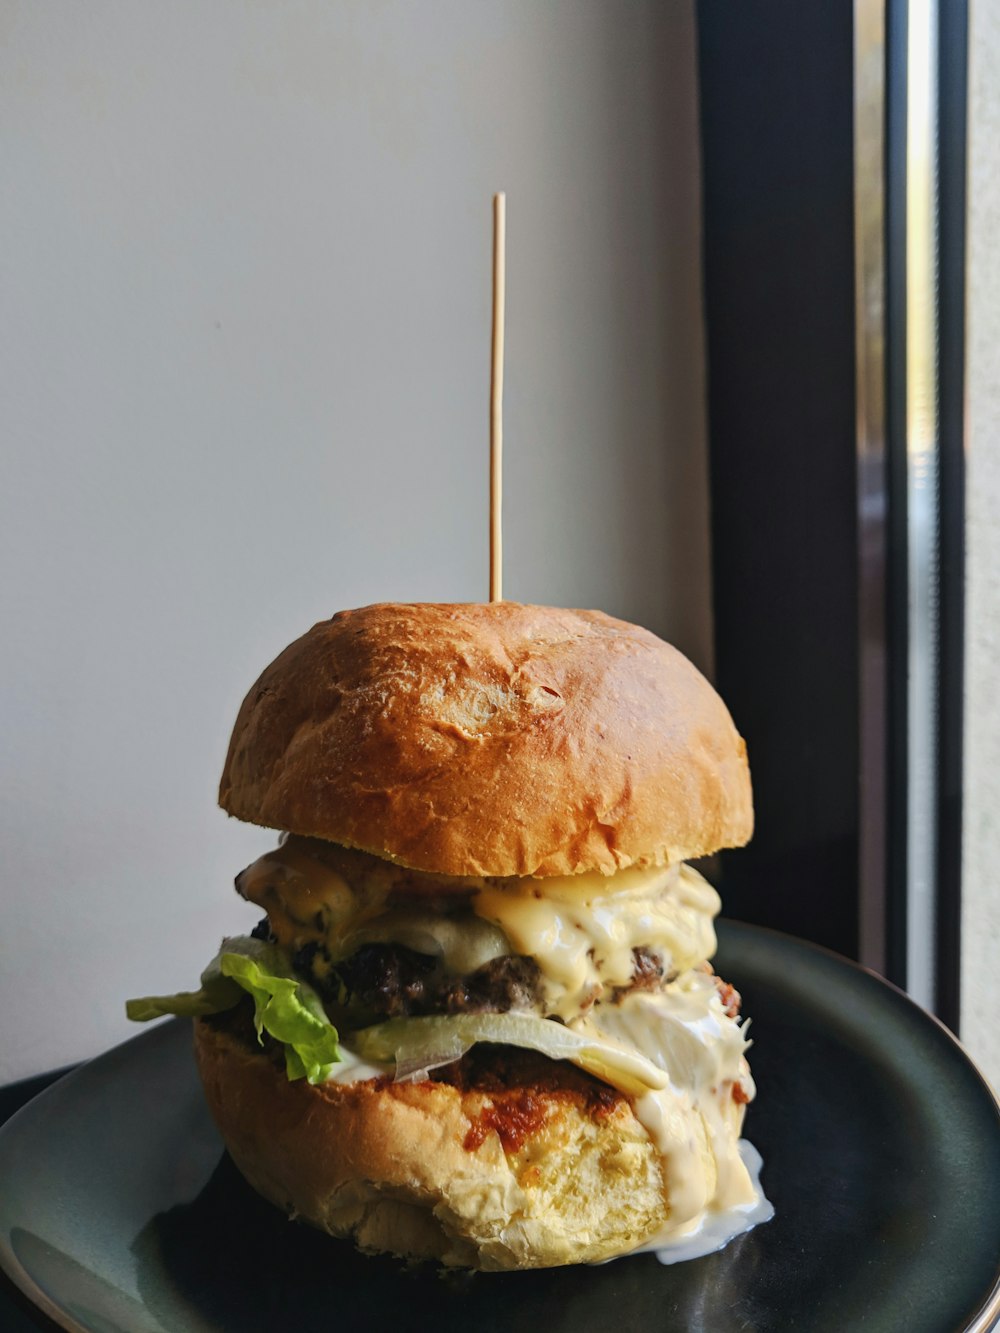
x=423, y=1044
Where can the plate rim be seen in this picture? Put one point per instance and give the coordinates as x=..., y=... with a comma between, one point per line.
x=987, y=1318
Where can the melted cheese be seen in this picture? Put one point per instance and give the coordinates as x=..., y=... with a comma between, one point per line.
x=579, y=929
x=303, y=898
x=309, y=902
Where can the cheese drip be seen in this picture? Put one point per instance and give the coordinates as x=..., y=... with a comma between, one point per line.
x=579, y=929
x=695, y=1122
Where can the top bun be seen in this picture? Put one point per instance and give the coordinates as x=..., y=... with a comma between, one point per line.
x=490, y=739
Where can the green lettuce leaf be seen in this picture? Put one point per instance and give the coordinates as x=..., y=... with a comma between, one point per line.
x=285, y=1007
x=426, y=1043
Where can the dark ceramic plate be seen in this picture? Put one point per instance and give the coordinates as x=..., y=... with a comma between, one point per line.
x=118, y=1212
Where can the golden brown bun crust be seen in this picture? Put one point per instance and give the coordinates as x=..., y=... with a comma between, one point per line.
x=490, y=739
x=392, y=1166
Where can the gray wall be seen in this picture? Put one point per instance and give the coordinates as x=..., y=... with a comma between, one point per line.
x=244, y=322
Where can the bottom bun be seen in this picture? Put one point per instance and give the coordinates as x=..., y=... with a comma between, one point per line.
x=529, y=1164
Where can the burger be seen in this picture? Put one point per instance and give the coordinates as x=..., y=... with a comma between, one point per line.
x=477, y=1023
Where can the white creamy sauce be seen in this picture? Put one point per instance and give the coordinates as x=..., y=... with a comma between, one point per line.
x=352, y=1069
x=695, y=1122
x=716, y=1227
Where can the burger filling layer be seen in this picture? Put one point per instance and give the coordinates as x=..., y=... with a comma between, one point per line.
x=363, y=969
x=392, y=941
x=617, y=961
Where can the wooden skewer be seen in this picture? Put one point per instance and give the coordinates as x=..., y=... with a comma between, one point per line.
x=496, y=399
